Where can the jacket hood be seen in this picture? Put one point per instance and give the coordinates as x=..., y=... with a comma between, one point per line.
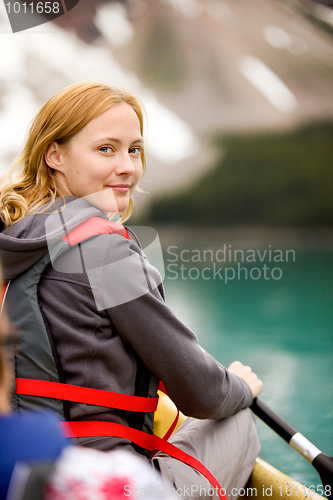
x=27, y=241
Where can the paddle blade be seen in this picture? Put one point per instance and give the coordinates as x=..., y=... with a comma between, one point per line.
x=324, y=466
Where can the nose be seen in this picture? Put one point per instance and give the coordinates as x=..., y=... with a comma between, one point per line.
x=125, y=165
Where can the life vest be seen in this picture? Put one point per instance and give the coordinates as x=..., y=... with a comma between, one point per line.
x=38, y=375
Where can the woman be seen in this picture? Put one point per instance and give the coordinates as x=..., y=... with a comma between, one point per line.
x=99, y=317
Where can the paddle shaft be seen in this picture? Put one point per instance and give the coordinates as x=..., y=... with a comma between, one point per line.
x=321, y=462
x=273, y=420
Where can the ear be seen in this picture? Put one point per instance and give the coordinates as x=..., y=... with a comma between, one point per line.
x=54, y=157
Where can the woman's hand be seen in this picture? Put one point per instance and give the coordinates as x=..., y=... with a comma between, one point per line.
x=246, y=373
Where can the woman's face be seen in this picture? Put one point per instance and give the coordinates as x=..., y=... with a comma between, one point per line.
x=102, y=162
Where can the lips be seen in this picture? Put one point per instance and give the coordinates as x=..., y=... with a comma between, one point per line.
x=121, y=188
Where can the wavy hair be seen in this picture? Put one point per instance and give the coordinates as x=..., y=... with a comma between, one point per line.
x=63, y=116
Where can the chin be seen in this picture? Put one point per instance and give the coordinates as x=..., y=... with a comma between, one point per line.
x=107, y=202
x=122, y=205
x=110, y=209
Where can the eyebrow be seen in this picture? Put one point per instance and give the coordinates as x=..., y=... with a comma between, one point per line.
x=113, y=139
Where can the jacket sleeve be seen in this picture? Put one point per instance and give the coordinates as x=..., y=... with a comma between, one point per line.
x=130, y=289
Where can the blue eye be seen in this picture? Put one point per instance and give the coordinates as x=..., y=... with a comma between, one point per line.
x=135, y=150
x=105, y=149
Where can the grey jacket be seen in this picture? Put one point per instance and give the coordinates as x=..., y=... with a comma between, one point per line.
x=103, y=304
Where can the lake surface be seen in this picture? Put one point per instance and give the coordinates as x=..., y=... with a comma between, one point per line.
x=281, y=325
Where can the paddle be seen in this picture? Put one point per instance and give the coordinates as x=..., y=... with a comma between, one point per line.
x=321, y=462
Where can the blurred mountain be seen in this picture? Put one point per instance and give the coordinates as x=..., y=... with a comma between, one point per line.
x=192, y=54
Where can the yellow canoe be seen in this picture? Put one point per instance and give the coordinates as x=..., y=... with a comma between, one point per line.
x=265, y=483
x=268, y=483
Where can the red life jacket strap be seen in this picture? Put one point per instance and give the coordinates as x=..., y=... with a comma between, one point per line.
x=76, y=394
x=162, y=388
x=93, y=227
x=57, y=390
x=172, y=427
x=147, y=441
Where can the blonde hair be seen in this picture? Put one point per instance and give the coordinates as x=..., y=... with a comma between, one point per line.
x=63, y=116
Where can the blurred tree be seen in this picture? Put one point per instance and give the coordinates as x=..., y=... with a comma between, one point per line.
x=283, y=179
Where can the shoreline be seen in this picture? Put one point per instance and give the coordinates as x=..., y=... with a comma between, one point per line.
x=306, y=239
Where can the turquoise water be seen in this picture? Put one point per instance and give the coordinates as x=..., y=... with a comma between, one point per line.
x=283, y=328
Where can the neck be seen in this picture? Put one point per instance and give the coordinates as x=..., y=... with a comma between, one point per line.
x=61, y=182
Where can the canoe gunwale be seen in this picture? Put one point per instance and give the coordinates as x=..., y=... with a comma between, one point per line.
x=268, y=483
